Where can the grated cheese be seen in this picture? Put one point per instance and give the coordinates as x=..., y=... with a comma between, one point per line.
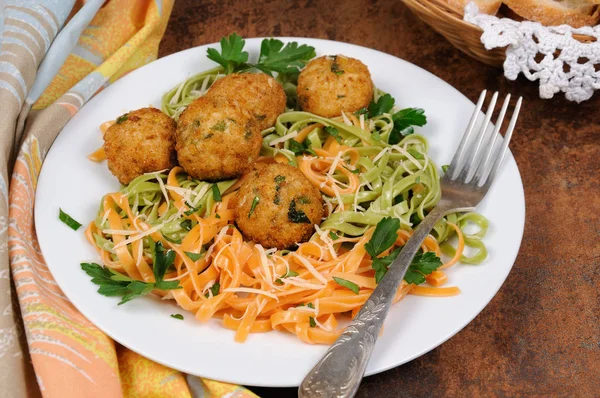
x=299, y=282
x=310, y=268
x=251, y=290
x=345, y=119
x=283, y=138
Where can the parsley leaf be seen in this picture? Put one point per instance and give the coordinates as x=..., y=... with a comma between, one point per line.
x=67, y=219
x=404, y=120
x=214, y=289
x=384, y=104
x=312, y=322
x=177, y=316
x=384, y=236
x=231, y=57
x=421, y=266
x=333, y=235
x=253, y=206
x=300, y=148
x=445, y=167
x=297, y=216
x=216, y=193
x=334, y=132
x=346, y=283
x=163, y=259
x=380, y=265
x=286, y=275
x=361, y=111
x=192, y=210
x=194, y=256
x=122, y=118
x=186, y=224
x=288, y=59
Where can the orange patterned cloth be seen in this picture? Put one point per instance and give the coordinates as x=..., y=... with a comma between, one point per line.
x=70, y=356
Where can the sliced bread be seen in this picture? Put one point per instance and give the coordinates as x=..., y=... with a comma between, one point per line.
x=576, y=13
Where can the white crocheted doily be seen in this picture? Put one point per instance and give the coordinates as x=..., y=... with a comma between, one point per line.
x=566, y=64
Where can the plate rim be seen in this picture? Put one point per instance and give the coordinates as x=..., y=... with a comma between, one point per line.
x=370, y=372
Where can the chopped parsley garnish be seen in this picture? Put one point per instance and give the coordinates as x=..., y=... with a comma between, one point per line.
x=274, y=56
x=300, y=148
x=217, y=215
x=113, y=283
x=383, y=238
x=404, y=120
x=334, y=132
x=304, y=200
x=384, y=104
x=286, y=275
x=253, y=205
x=333, y=235
x=445, y=167
x=122, y=118
x=335, y=67
x=177, y=316
x=192, y=210
x=219, y=126
x=67, y=219
x=297, y=216
x=361, y=111
x=194, y=256
x=312, y=322
x=345, y=283
x=172, y=240
x=186, y=224
x=214, y=289
x=278, y=180
x=216, y=193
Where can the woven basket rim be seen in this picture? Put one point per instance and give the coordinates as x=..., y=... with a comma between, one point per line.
x=427, y=4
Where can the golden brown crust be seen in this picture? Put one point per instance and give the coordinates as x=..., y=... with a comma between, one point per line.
x=552, y=13
x=140, y=142
x=284, y=194
x=216, y=141
x=332, y=84
x=257, y=93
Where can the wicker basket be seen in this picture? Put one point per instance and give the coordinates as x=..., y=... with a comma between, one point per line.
x=448, y=21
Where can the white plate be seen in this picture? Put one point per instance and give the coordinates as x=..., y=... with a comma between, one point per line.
x=414, y=326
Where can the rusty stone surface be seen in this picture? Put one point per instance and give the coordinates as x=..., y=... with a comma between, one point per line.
x=540, y=335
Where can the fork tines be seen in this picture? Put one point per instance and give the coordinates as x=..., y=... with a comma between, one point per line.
x=478, y=156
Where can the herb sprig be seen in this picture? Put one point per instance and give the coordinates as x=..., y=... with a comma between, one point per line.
x=114, y=284
x=383, y=238
x=274, y=56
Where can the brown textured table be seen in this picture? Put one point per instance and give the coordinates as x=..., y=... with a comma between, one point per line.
x=540, y=335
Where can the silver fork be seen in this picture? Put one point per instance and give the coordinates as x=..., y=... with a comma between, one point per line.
x=464, y=185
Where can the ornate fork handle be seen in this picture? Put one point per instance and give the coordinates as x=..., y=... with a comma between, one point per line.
x=340, y=371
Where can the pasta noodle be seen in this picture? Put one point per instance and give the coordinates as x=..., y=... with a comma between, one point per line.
x=363, y=175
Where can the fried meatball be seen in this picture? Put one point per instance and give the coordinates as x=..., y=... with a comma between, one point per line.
x=141, y=141
x=332, y=84
x=277, y=206
x=257, y=93
x=216, y=141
